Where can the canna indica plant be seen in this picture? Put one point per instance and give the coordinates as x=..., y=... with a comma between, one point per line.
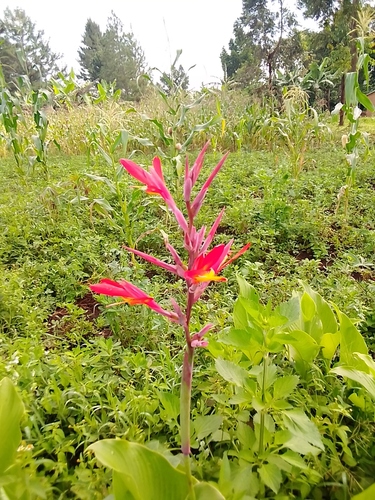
x=202, y=267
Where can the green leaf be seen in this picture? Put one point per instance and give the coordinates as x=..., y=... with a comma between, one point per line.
x=231, y=372
x=364, y=100
x=303, y=348
x=205, y=491
x=140, y=473
x=245, y=435
x=307, y=307
x=284, y=386
x=206, y=425
x=367, y=360
x=271, y=476
x=294, y=459
x=225, y=482
x=351, y=85
x=299, y=425
x=11, y=411
x=240, y=316
x=249, y=340
x=330, y=342
x=247, y=291
x=366, y=380
x=171, y=404
x=298, y=445
x=323, y=310
x=351, y=342
x=367, y=494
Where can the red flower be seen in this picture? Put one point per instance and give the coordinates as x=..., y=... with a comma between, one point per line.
x=207, y=267
x=130, y=294
x=155, y=184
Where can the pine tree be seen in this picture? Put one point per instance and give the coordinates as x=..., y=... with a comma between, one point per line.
x=24, y=51
x=112, y=55
x=91, y=53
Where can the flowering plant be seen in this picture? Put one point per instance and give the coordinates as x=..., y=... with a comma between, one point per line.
x=203, y=266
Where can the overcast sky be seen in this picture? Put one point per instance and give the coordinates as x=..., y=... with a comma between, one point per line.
x=199, y=27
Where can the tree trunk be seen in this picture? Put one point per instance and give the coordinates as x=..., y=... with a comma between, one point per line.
x=353, y=30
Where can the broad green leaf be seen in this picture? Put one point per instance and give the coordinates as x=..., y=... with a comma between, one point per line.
x=351, y=85
x=240, y=316
x=330, y=342
x=323, y=310
x=271, y=476
x=284, y=386
x=246, y=484
x=245, y=435
x=206, y=425
x=358, y=400
x=11, y=411
x=368, y=361
x=231, y=372
x=249, y=340
x=271, y=374
x=247, y=291
x=120, y=488
x=299, y=425
x=366, y=380
x=364, y=100
x=298, y=445
x=291, y=310
x=206, y=491
x=351, y=342
x=171, y=404
x=367, y=494
x=294, y=459
x=225, y=483
x=142, y=473
x=303, y=348
x=307, y=307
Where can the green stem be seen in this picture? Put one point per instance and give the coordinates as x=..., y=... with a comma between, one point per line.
x=262, y=412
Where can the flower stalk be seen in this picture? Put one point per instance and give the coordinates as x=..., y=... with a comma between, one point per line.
x=202, y=267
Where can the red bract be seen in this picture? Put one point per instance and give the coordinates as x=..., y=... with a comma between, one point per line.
x=207, y=267
x=155, y=184
x=129, y=294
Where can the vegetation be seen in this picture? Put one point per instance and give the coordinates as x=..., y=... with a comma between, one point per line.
x=24, y=51
x=255, y=379
x=112, y=56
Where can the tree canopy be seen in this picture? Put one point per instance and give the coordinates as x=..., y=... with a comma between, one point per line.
x=24, y=50
x=112, y=55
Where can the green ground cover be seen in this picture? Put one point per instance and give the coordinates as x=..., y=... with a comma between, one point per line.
x=85, y=372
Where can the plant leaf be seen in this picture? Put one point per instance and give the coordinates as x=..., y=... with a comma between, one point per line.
x=143, y=473
x=11, y=411
x=271, y=476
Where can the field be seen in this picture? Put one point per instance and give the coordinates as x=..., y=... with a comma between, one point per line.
x=86, y=372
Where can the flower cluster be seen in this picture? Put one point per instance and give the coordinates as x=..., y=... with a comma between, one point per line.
x=203, y=266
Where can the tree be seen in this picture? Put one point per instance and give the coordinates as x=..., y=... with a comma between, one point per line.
x=177, y=78
x=341, y=15
x=259, y=37
x=112, y=55
x=90, y=54
x=24, y=51
x=339, y=20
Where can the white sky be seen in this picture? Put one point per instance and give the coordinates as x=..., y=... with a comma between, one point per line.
x=199, y=27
